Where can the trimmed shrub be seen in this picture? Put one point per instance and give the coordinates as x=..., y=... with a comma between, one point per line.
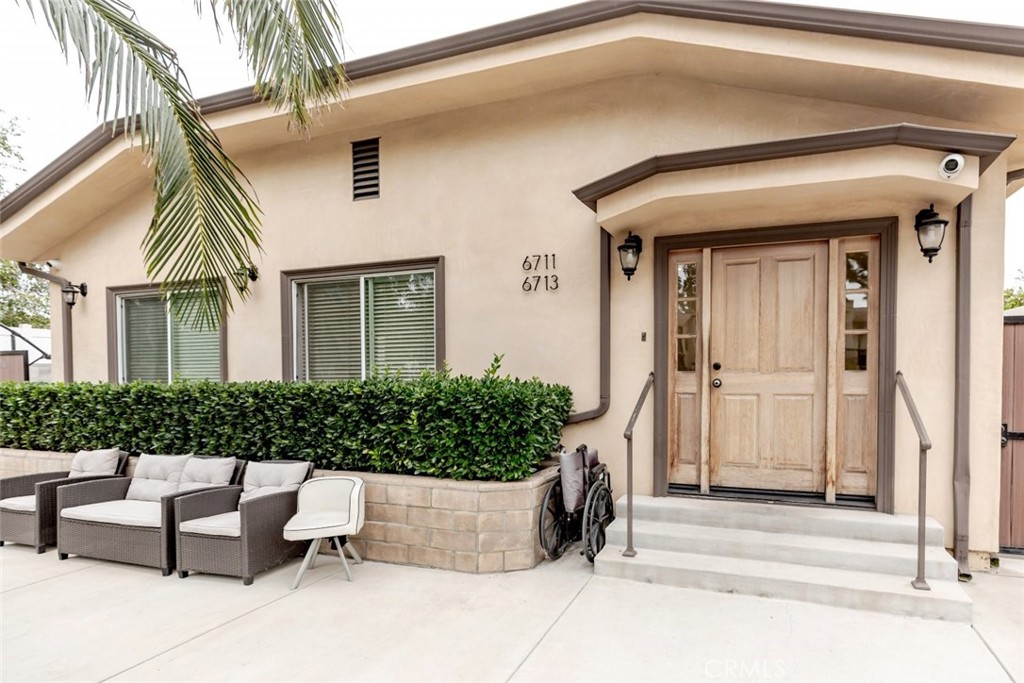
x=490, y=428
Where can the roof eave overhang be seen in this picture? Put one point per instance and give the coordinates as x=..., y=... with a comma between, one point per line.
x=985, y=146
x=992, y=39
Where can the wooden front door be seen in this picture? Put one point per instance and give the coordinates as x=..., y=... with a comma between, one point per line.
x=774, y=357
x=767, y=353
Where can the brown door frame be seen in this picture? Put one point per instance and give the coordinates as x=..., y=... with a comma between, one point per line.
x=885, y=228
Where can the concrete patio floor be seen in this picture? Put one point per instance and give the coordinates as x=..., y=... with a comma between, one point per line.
x=84, y=620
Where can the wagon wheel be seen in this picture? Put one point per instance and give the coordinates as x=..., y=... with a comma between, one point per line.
x=598, y=513
x=554, y=536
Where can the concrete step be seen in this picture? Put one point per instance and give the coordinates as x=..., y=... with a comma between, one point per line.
x=782, y=518
x=839, y=587
x=820, y=551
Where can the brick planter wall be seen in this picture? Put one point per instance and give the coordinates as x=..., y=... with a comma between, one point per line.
x=469, y=526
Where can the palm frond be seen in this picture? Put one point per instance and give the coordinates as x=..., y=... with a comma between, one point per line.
x=206, y=220
x=294, y=50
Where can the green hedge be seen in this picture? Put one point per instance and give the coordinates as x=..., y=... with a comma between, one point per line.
x=490, y=428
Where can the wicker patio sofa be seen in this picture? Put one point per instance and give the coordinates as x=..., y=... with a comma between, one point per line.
x=238, y=530
x=28, y=503
x=132, y=519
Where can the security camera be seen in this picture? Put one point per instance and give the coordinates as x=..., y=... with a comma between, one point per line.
x=951, y=166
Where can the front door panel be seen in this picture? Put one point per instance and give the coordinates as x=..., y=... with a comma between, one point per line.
x=768, y=341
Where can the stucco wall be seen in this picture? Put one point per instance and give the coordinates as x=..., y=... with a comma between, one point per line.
x=486, y=186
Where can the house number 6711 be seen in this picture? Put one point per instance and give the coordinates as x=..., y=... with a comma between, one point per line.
x=537, y=264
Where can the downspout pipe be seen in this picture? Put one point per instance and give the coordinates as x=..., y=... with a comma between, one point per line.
x=604, y=398
x=65, y=317
x=962, y=396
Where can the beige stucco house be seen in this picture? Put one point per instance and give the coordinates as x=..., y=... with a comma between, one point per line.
x=469, y=196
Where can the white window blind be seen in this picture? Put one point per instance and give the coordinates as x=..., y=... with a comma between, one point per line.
x=347, y=327
x=156, y=347
x=330, y=337
x=145, y=339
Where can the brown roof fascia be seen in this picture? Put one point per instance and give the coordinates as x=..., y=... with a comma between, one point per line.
x=986, y=146
x=1014, y=176
x=989, y=38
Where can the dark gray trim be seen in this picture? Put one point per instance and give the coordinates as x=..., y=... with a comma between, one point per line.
x=885, y=473
x=974, y=37
x=113, y=376
x=605, y=343
x=66, y=330
x=985, y=146
x=1013, y=319
x=962, y=396
x=1014, y=176
x=289, y=277
x=885, y=228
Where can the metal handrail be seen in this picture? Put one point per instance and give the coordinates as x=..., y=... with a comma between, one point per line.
x=922, y=473
x=630, y=551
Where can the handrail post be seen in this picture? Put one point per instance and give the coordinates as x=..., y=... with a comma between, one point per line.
x=919, y=582
x=630, y=551
x=925, y=443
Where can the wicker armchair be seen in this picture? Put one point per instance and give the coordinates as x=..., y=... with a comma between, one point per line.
x=28, y=503
x=120, y=541
x=225, y=532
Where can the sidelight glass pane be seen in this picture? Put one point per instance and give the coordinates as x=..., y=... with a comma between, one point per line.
x=856, y=351
x=857, y=270
x=686, y=317
x=686, y=274
x=856, y=311
x=686, y=354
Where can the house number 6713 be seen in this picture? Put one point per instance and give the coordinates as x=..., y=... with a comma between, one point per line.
x=537, y=264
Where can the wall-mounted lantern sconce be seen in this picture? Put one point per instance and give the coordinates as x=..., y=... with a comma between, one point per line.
x=246, y=275
x=70, y=292
x=931, y=230
x=629, y=254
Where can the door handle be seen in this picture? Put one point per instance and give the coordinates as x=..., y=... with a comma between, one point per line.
x=716, y=383
x=716, y=365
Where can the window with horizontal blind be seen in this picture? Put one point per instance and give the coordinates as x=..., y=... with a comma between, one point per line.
x=154, y=346
x=348, y=326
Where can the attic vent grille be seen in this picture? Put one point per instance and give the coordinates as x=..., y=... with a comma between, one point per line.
x=366, y=169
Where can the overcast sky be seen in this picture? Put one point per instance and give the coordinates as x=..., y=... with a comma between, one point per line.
x=47, y=98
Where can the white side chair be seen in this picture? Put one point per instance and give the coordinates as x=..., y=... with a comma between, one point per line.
x=329, y=507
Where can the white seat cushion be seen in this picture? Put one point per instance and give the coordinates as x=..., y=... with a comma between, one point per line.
x=201, y=473
x=156, y=476
x=89, y=463
x=127, y=512
x=19, y=503
x=226, y=524
x=262, y=478
x=307, y=525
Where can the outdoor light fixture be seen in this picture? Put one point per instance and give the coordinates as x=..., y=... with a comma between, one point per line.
x=250, y=273
x=70, y=292
x=629, y=254
x=931, y=229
